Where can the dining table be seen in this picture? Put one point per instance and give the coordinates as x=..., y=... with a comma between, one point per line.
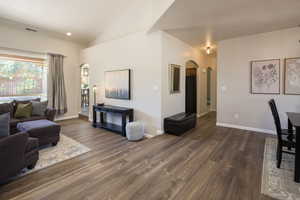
x=294, y=122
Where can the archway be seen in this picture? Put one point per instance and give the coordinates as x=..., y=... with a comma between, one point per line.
x=191, y=87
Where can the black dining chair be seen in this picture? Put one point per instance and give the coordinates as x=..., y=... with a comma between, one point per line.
x=284, y=138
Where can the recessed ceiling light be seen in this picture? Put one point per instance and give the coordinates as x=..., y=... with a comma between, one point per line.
x=68, y=33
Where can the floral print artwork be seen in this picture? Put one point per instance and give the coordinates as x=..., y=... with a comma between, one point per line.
x=265, y=77
x=292, y=76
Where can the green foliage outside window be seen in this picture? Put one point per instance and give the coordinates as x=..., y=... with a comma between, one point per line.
x=19, y=78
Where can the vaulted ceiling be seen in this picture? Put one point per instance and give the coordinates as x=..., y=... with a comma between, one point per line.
x=85, y=19
x=198, y=21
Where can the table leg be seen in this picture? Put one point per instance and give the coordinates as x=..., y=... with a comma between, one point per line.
x=124, y=125
x=297, y=157
x=101, y=117
x=131, y=117
x=94, y=117
x=290, y=126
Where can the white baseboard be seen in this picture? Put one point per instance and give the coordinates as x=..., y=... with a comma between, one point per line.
x=202, y=114
x=159, y=132
x=149, y=136
x=66, y=118
x=246, y=128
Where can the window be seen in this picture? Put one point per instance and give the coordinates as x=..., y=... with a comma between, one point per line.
x=22, y=76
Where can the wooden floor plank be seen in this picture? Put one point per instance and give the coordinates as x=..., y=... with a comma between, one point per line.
x=207, y=162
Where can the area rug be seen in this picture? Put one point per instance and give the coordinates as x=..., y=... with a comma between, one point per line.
x=278, y=183
x=66, y=148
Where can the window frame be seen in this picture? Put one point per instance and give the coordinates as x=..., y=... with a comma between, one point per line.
x=41, y=62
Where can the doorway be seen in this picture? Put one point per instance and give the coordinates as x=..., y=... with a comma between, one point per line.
x=84, y=89
x=191, y=87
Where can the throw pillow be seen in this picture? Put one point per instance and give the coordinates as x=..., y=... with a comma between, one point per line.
x=4, y=124
x=39, y=108
x=23, y=101
x=23, y=110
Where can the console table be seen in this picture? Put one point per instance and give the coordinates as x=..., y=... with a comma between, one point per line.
x=124, y=112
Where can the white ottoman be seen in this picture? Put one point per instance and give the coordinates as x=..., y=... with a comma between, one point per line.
x=135, y=131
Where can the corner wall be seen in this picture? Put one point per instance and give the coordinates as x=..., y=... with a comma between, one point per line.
x=140, y=52
x=236, y=106
x=149, y=56
x=174, y=51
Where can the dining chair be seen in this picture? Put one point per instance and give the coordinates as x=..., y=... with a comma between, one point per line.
x=284, y=138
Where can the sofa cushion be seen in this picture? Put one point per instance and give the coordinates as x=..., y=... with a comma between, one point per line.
x=39, y=108
x=32, y=144
x=7, y=108
x=23, y=110
x=33, y=118
x=4, y=124
x=15, y=121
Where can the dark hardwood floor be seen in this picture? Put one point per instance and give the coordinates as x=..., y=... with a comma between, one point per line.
x=208, y=162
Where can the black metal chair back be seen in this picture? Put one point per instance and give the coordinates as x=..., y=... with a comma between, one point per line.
x=276, y=118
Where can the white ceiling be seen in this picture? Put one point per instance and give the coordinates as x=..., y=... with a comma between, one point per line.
x=85, y=19
x=201, y=21
x=196, y=22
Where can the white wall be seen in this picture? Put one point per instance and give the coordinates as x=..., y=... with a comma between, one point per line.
x=175, y=51
x=140, y=52
x=234, y=56
x=149, y=56
x=20, y=39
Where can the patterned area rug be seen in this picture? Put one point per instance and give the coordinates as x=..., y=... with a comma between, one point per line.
x=66, y=148
x=278, y=183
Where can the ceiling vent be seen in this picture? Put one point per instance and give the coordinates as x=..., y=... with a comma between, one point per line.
x=31, y=29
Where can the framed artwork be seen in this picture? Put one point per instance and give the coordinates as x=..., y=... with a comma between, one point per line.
x=174, y=79
x=292, y=76
x=117, y=84
x=265, y=76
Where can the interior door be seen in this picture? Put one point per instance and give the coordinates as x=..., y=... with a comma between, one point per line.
x=191, y=90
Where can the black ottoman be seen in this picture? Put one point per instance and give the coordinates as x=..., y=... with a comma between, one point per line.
x=180, y=123
x=46, y=131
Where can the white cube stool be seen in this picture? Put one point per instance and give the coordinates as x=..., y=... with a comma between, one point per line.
x=134, y=131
